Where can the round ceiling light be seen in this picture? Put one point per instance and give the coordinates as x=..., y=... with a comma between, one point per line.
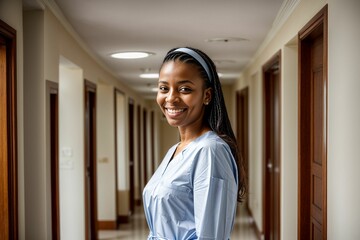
x=149, y=75
x=227, y=40
x=131, y=55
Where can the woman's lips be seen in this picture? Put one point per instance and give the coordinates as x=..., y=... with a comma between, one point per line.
x=173, y=112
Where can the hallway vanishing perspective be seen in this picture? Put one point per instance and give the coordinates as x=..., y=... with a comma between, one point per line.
x=81, y=132
x=137, y=228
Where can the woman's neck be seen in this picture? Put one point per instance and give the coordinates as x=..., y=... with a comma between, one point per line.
x=188, y=135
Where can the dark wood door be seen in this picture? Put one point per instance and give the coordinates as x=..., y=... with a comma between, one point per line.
x=131, y=155
x=90, y=161
x=313, y=128
x=138, y=123
x=152, y=141
x=53, y=99
x=8, y=133
x=145, y=148
x=242, y=126
x=272, y=149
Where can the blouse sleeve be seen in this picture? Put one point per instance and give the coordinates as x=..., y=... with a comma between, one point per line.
x=215, y=193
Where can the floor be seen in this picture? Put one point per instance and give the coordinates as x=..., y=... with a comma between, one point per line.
x=137, y=228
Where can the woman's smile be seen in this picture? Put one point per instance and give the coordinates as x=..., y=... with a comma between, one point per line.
x=174, y=112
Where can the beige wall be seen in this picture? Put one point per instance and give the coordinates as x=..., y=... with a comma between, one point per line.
x=343, y=120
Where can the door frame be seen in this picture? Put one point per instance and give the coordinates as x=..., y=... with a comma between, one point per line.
x=53, y=108
x=145, y=147
x=139, y=151
x=9, y=225
x=131, y=137
x=275, y=60
x=90, y=158
x=242, y=130
x=152, y=139
x=317, y=25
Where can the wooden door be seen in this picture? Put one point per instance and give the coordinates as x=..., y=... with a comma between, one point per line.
x=152, y=139
x=131, y=155
x=272, y=168
x=313, y=128
x=138, y=124
x=145, y=147
x=242, y=126
x=90, y=161
x=53, y=99
x=8, y=134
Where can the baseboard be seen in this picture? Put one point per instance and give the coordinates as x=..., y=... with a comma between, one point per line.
x=107, y=225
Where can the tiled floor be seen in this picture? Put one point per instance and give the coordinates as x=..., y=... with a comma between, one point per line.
x=137, y=229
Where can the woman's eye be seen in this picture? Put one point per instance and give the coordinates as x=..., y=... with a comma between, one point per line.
x=162, y=88
x=185, y=89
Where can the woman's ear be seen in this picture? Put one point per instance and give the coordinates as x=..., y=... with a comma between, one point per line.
x=207, y=96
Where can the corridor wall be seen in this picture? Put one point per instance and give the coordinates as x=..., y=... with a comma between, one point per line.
x=343, y=116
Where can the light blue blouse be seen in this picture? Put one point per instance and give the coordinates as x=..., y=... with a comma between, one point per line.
x=194, y=195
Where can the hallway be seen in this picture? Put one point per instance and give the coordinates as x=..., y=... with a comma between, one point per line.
x=137, y=228
x=79, y=140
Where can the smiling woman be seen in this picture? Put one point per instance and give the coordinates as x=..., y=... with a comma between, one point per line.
x=193, y=193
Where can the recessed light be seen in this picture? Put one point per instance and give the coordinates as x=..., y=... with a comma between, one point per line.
x=149, y=75
x=226, y=40
x=131, y=55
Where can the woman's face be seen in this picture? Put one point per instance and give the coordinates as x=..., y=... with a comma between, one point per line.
x=182, y=95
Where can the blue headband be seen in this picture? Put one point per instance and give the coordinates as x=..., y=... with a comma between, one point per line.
x=197, y=58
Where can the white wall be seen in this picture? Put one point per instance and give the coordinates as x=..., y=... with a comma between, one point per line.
x=256, y=148
x=11, y=13
x=71, y=147
x=36, y=225
x=122, y=143
x=343, y=120
x=289, y=140
x=105, y=153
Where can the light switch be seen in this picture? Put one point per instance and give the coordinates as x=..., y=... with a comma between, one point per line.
x=67, y=152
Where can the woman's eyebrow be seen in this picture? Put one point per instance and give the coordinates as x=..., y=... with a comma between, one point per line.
x=179, y=82
x=185, y=81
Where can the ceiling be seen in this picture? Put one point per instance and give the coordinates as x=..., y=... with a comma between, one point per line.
x=108, y=26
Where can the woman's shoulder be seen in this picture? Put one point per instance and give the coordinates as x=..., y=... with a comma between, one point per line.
x=211, y=140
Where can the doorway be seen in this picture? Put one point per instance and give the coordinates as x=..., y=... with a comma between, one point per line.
x=131, y=122
x=139, y=151
x=8, y=134
x=272, y=168
x=313, y=128
x=145, y=147
x=242, y=130
x=152, y=140
x=90, y=162
x=53, y=100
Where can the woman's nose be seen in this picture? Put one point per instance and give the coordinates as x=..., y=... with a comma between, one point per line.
x=172, y=96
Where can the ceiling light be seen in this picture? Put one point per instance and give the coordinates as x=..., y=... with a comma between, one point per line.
x=131, y=55
x=226, y=40
x=149, y=75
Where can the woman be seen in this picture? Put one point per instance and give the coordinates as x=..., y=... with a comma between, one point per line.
x=193, y=193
